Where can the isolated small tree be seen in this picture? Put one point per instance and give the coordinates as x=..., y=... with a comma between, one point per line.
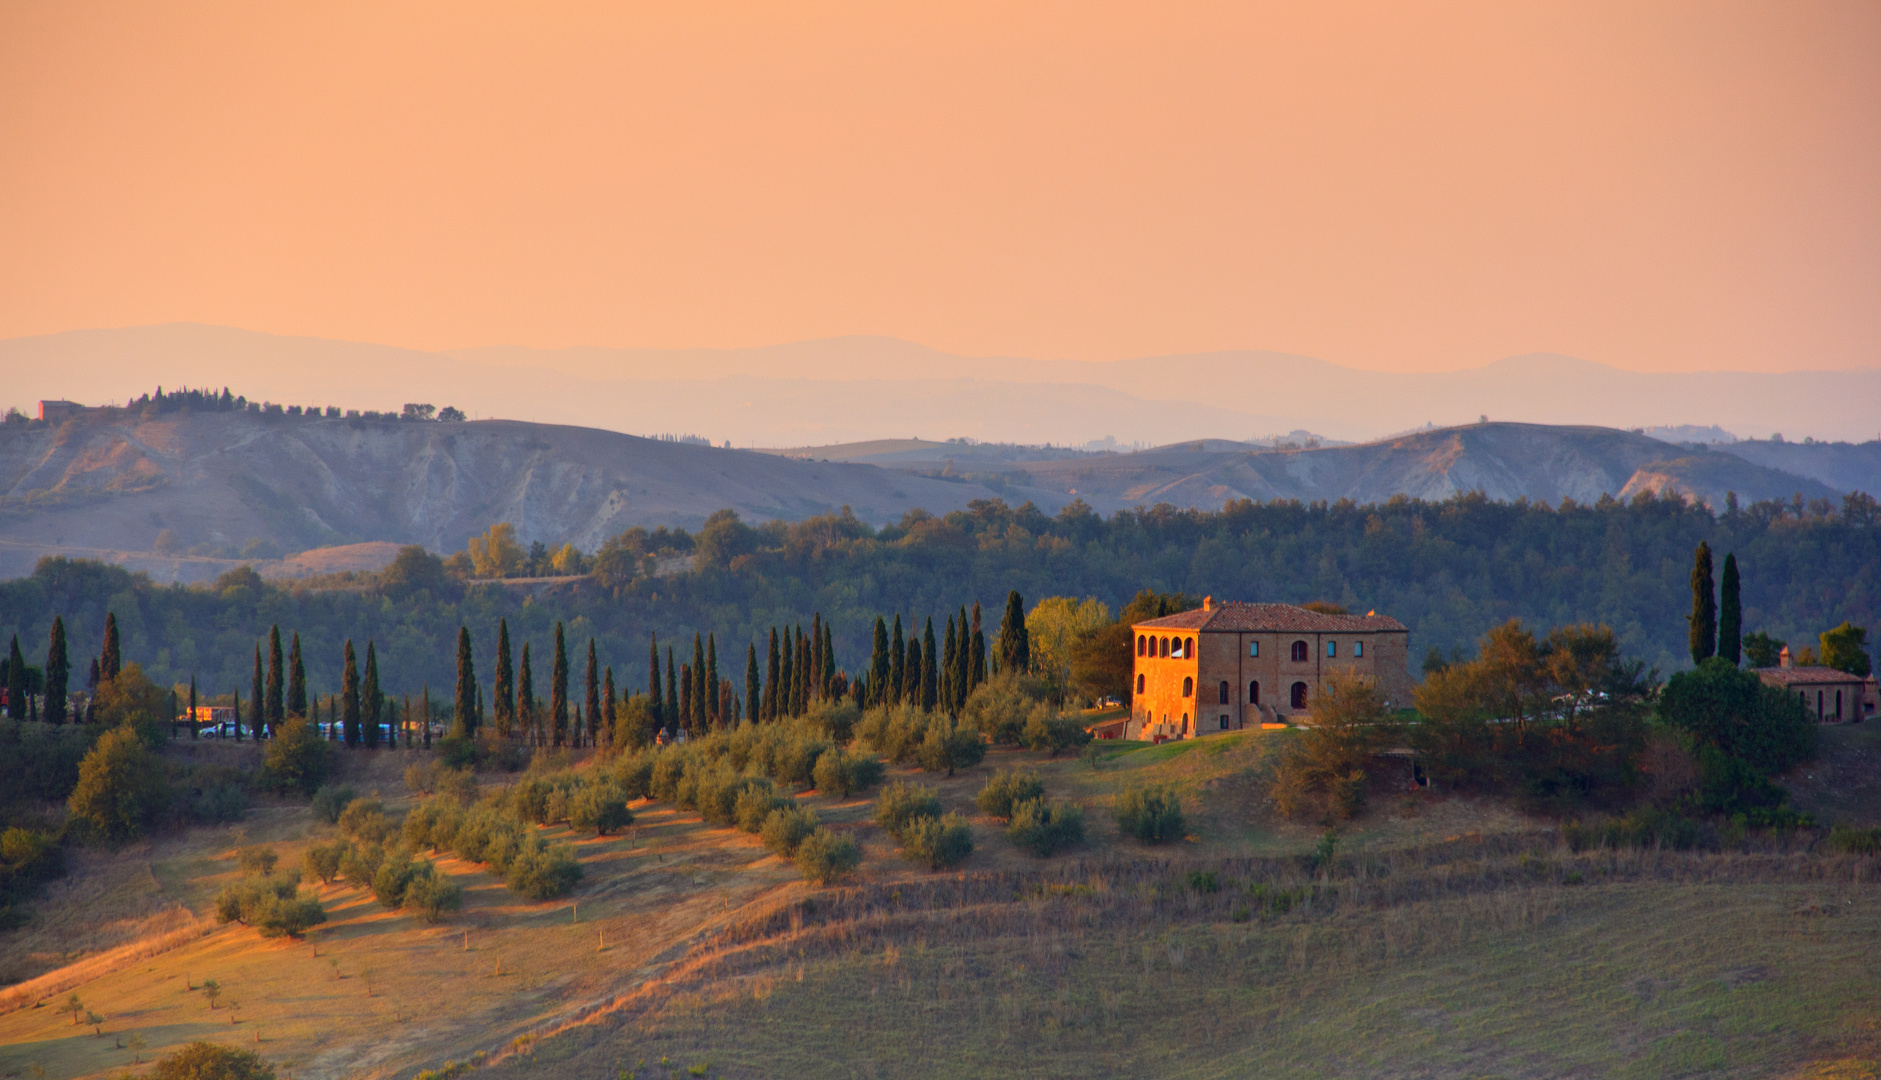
x=1845, y=648
x=211, y=991
x=74, y=1006
x=119, y=786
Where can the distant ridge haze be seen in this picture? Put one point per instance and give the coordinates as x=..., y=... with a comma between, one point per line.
x=852, y=389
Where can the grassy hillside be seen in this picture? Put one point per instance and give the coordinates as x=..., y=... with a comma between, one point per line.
x=1445, y=936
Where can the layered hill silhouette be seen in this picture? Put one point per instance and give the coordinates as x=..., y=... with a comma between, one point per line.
x=189, y=495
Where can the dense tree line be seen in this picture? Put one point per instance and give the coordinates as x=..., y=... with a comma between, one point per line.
x=1449, y=570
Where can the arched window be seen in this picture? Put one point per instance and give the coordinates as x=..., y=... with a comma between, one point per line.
x=1254, y=693
x=1185, y=723
x=1188, y=649
x=1299, y=695
x=1188, y=686
x=1141, y=644
x=1139, y=684
x=1165, y=646
x=1299, y=651
x=1224, y=694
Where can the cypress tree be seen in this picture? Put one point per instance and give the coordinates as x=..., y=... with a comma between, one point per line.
x=349, y=697
x=371, y=701
x=1730, y=613
x=16, y=681
x=110, y=660
x=950, y=650
x=277, y=680
x=911, y=674
x=558, y=691
x=815, y=690
x=685, y=695
x=391, y=724
x=897, y=667
x=526, y=697
x=609, y=718
x=751, y=680
x=259, y=719
x=192, y=707
x=696, y=717
x=977, y=674
x=296, y=681
x=878, y=663
x=1015, y=646
x=238, y=708
x=771, y=677
x=503, y=709
x=673, y=718
x=465, y=706
x=593, y=701
x=929, y=676
x=963, y=666
x=653, y=684
x=1704, y=616
x=787, y=692
x=58, y=673
x=711, y=680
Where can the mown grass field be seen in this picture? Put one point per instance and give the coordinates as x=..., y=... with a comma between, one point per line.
x=1449, y=937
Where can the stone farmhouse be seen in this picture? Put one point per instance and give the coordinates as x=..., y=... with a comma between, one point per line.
x=1225, y=667
x=1831, y=696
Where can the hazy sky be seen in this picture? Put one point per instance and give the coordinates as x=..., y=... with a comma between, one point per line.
x=1386, y=185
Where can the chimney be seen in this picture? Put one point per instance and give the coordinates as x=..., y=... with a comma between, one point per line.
x=1783, y=658
x=1208, y=603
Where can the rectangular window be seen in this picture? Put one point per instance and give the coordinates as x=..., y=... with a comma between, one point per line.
x=1358, y=648
x=1332, y=648
x=1253, y=648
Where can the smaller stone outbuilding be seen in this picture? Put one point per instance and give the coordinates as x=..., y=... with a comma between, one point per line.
x=1830, y=695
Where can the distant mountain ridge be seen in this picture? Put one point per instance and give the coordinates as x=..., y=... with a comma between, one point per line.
x=842, y=390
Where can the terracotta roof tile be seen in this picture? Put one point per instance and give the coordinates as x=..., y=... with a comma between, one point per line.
x=1235, y=617
x=1791, y=676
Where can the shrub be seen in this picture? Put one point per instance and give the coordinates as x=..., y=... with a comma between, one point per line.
x=297, y=760
x=273, y=906
x=543, y=871
x=784, y=830
x=950, y=745
x=458, y=785
x=257, y=859
x=1000, y=707
x=330, y=802
x=902, y=803
x=633, y=774
x=896, y=732
x=421, y=777
x=1044, y=827
x=359, y=864
x=797, y=758
x=1005, y=789
x=208, y=1061
x=601, y=807
x=939, y=842
x=322, y=861
x=1045, y=729
x=824, y=857
x=395, y=874
x=1731, y=709
x=836, y=719
x=431, y=895
x=1855, y=841
x=364, y=820
x=842, y=773
x=120, y=786
x=755, y=806
x=1152, y=815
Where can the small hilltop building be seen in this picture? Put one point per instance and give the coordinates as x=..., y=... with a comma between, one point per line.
x=1225, y=667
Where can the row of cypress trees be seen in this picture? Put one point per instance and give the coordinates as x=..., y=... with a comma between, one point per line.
x=1717, y=623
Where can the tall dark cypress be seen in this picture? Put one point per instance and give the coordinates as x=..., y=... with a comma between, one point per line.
x=815, y=685
x=16, y=681
x=592, y=702
x=609, y=718
x=503, y=709
x=686, y=693
x=897, y=667
x=751, y=681
x=827, y=674
x=1015, y=646
x=1704, y=616
x=878, y=662
x=111, y=659
x=950, y=652
x=800, y=675
x=371, y=701
x=349, y=697
x=238, y=710
x=930, y=683
x=696, y=717
x=655, y=695
x=258, y=713
x=58, y=673
x=787, y=691
x=296, y=681
x=1730, y=613
x=466, y=704
x=558, y=691
x=277, y=681
x=773, y=673
x=673, y=717
x=711, y=680
x=911, y=678
x=963, y=666
x=977, y=674
x=526, y=699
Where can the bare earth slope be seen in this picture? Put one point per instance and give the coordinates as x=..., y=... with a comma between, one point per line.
x=211, y=483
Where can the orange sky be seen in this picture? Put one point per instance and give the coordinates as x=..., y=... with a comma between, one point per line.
x=1387, y=185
